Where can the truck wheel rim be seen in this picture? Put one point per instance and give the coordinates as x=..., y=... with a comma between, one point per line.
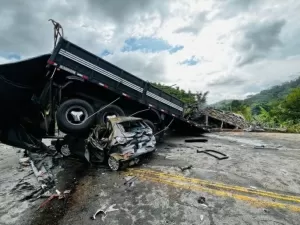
x=65, y=151
x=113, y=163
x=76, y=115
x=109, y=114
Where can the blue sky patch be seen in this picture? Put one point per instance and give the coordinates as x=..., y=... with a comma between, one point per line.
x=175, y=49
x=191, y=61
x=105, y=53
x=148, y=44
x=10, y=55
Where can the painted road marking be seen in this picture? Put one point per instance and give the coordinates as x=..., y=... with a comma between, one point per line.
x=219, y=185
x=219, y=189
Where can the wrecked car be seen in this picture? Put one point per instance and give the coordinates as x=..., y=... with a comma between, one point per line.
x=120, y=143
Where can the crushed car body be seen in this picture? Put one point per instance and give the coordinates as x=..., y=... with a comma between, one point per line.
x=121, y=141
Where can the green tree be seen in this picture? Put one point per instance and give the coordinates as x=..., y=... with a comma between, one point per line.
x=186, y=96
x=201, y=99
x=291, y=106
x=246, y=112
x=236, y=105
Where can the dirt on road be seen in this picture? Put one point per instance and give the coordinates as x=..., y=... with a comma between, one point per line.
x=252, y=186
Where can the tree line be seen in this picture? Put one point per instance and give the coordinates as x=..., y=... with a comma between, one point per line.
x=277, y=107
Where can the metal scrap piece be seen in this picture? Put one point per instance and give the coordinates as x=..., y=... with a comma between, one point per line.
x=97, y=212
x=25, y=161
x=104, y=212
x=196, y=140
x=67, y=191
x=264, y=147
x=201, y=200
x=48, y=200
x=111, y=209
x=208, y=152
x=130, y=180
x=186, y=168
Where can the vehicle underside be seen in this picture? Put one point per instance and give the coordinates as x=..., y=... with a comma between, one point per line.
x=21, y=114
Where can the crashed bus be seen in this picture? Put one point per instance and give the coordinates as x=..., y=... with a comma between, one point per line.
x=75, y=90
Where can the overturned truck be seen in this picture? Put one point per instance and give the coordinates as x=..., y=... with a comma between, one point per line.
x=75, y=90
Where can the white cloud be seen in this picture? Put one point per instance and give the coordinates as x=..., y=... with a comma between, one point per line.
x=242, y=46
x=5, y=60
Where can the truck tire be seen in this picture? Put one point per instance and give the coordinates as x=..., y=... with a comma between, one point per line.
x=109, y=111
x=72, y=116
x=62, y=145
x=151, y=125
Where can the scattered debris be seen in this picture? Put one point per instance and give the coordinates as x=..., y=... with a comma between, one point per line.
x=47, y=194
x=201, y=200
x=266, y=211
x=48, y=200
x=264, y=147
x=204, y=205
x=208, y=152
x=129, y=180
x=32, y=196
x=20, y=169
x=67, y=192
x=101, y=211
x=58, y=195
x=259, y=147
x=43, y=176
x=186, y=168
x=227, y=117
x=22, y=186
x=254, y=128
x=201, y=217
x=111, y=209
x=58, y=192
x=24, y=161
x=104, y=212
x=196, y=140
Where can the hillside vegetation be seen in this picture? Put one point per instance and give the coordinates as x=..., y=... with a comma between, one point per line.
x=276, y=107
x=274, y=93
x=194, y=101
x=186, y=96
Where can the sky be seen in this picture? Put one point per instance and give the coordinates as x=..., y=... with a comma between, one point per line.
x=231, y=48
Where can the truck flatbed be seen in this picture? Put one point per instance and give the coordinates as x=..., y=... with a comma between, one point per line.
x=69, y=57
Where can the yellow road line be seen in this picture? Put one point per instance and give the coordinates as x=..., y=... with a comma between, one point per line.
x=218, y=185
x=253, y=201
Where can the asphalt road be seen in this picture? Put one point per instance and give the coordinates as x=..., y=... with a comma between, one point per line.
x=252, y=186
